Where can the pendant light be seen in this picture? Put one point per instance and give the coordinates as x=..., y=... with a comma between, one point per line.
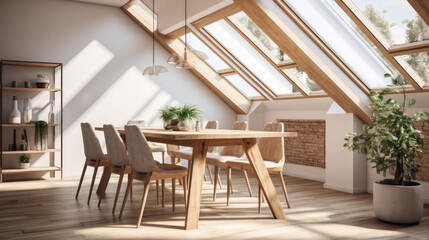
x=154, y=70
x=176, y=58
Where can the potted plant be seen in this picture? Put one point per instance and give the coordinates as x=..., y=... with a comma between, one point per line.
x=24, y=161
x=41, y=135
x=391, y=142
x=186, y=115
x=168, y=113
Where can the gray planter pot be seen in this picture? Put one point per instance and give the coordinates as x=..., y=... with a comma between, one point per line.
x=398, y=204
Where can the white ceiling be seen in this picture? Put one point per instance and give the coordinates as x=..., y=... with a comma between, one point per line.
x=171, y=12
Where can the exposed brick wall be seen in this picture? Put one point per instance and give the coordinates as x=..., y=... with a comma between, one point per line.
x=423, y=160
x=309, y=147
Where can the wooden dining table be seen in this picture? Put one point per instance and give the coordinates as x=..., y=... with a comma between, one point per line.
x=200, y=141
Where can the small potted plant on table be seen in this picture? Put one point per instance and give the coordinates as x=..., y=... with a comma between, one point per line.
x=179, y=118
x=392, y=143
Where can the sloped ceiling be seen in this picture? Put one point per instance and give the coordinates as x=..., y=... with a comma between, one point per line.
x=113, y=3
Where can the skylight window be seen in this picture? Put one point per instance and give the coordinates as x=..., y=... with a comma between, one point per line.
x=395, y=19
x=337, y=30
x=419, y=62
x=261, y=37
x=250, y=57
x=214, y=61
x=304, y=78
x=242, y=86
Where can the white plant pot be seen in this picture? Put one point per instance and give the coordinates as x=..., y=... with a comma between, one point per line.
x=398, y=204
x=24, y=165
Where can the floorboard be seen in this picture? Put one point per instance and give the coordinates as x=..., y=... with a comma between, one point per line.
x=46, y=209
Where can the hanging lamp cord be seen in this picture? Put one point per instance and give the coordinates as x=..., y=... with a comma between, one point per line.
x=153, y=33
x=186, y=29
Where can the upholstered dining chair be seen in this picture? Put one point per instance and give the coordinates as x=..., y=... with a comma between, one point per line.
x=118, y=158
x=94, y=156
x=144, y=168
x=272, y=151
x=227, y=153
x=176, y=154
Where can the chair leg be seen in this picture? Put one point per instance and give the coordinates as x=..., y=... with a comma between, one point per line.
x=163, y=193
x=157, y=192
x=218, y=180
x=130, y=183
x=81, y=179
x=247, y=183
x=210, y=173
x=284, y=188
x=145, y=193
x=215, y=182
x=185, y=189
x=118, y=190
x=228, y=186
x=205, y=178
x=259, y=198
x=131, y=189
x=173, y=189
x=93, y=179
x=163, y=157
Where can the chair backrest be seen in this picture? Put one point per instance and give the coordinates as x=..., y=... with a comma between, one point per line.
x=273, y=149
x=212, y=125
x=91, y=144
x=139, y=153
x=237, y=151
x=138, y=123
x=116, y=150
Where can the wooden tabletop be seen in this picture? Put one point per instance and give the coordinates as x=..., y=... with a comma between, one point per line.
x=157, y=132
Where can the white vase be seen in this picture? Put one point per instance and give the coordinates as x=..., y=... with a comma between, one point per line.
x=28, y=112
x=24, y=165
x=15, y=114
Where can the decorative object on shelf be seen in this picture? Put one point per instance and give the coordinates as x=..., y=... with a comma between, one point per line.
x=13, y=146
x=15, y=114
x=51, y=115
x=41, y=135
x=27, y=84
x=14, y=84
x=391, y=142
x=154, y=70
x=24, y=142
x=24, y=161
x=28, y=112
x=42, y=81
x=167, y=114
x=183, y=62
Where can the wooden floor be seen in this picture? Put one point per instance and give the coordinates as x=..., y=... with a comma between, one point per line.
x=46, y=209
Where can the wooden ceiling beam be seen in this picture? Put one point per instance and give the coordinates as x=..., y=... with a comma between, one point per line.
x=422, y=8
x=221, y=87
x=216, y=16
x=296, y=48
x=409, y=48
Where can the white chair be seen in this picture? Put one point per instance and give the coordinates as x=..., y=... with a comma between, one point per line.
x=273, y=154
x=144, y=168
x=94, y=155
x=118, y=158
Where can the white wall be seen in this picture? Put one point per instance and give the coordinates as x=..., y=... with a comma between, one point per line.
x=104, y=53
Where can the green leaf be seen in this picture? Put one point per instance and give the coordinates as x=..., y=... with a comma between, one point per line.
x=411, y=102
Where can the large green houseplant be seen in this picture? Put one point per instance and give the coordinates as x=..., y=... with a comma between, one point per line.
x=391, y=142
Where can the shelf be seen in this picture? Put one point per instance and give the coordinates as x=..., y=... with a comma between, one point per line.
x=30, y=152
x=30, y=169
x=31, y=89
x=31, y=64
x=28, y=125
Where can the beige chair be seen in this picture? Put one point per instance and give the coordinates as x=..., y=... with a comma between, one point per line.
x=228, y=153
x=176, y=154
x=118, y=158
x=144, y=168
x=272, y=151
x=94, y=155
x=155, y=147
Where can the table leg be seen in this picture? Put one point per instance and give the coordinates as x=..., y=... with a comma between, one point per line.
x=195, y=185
x=104, y=181
x=254, y=155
